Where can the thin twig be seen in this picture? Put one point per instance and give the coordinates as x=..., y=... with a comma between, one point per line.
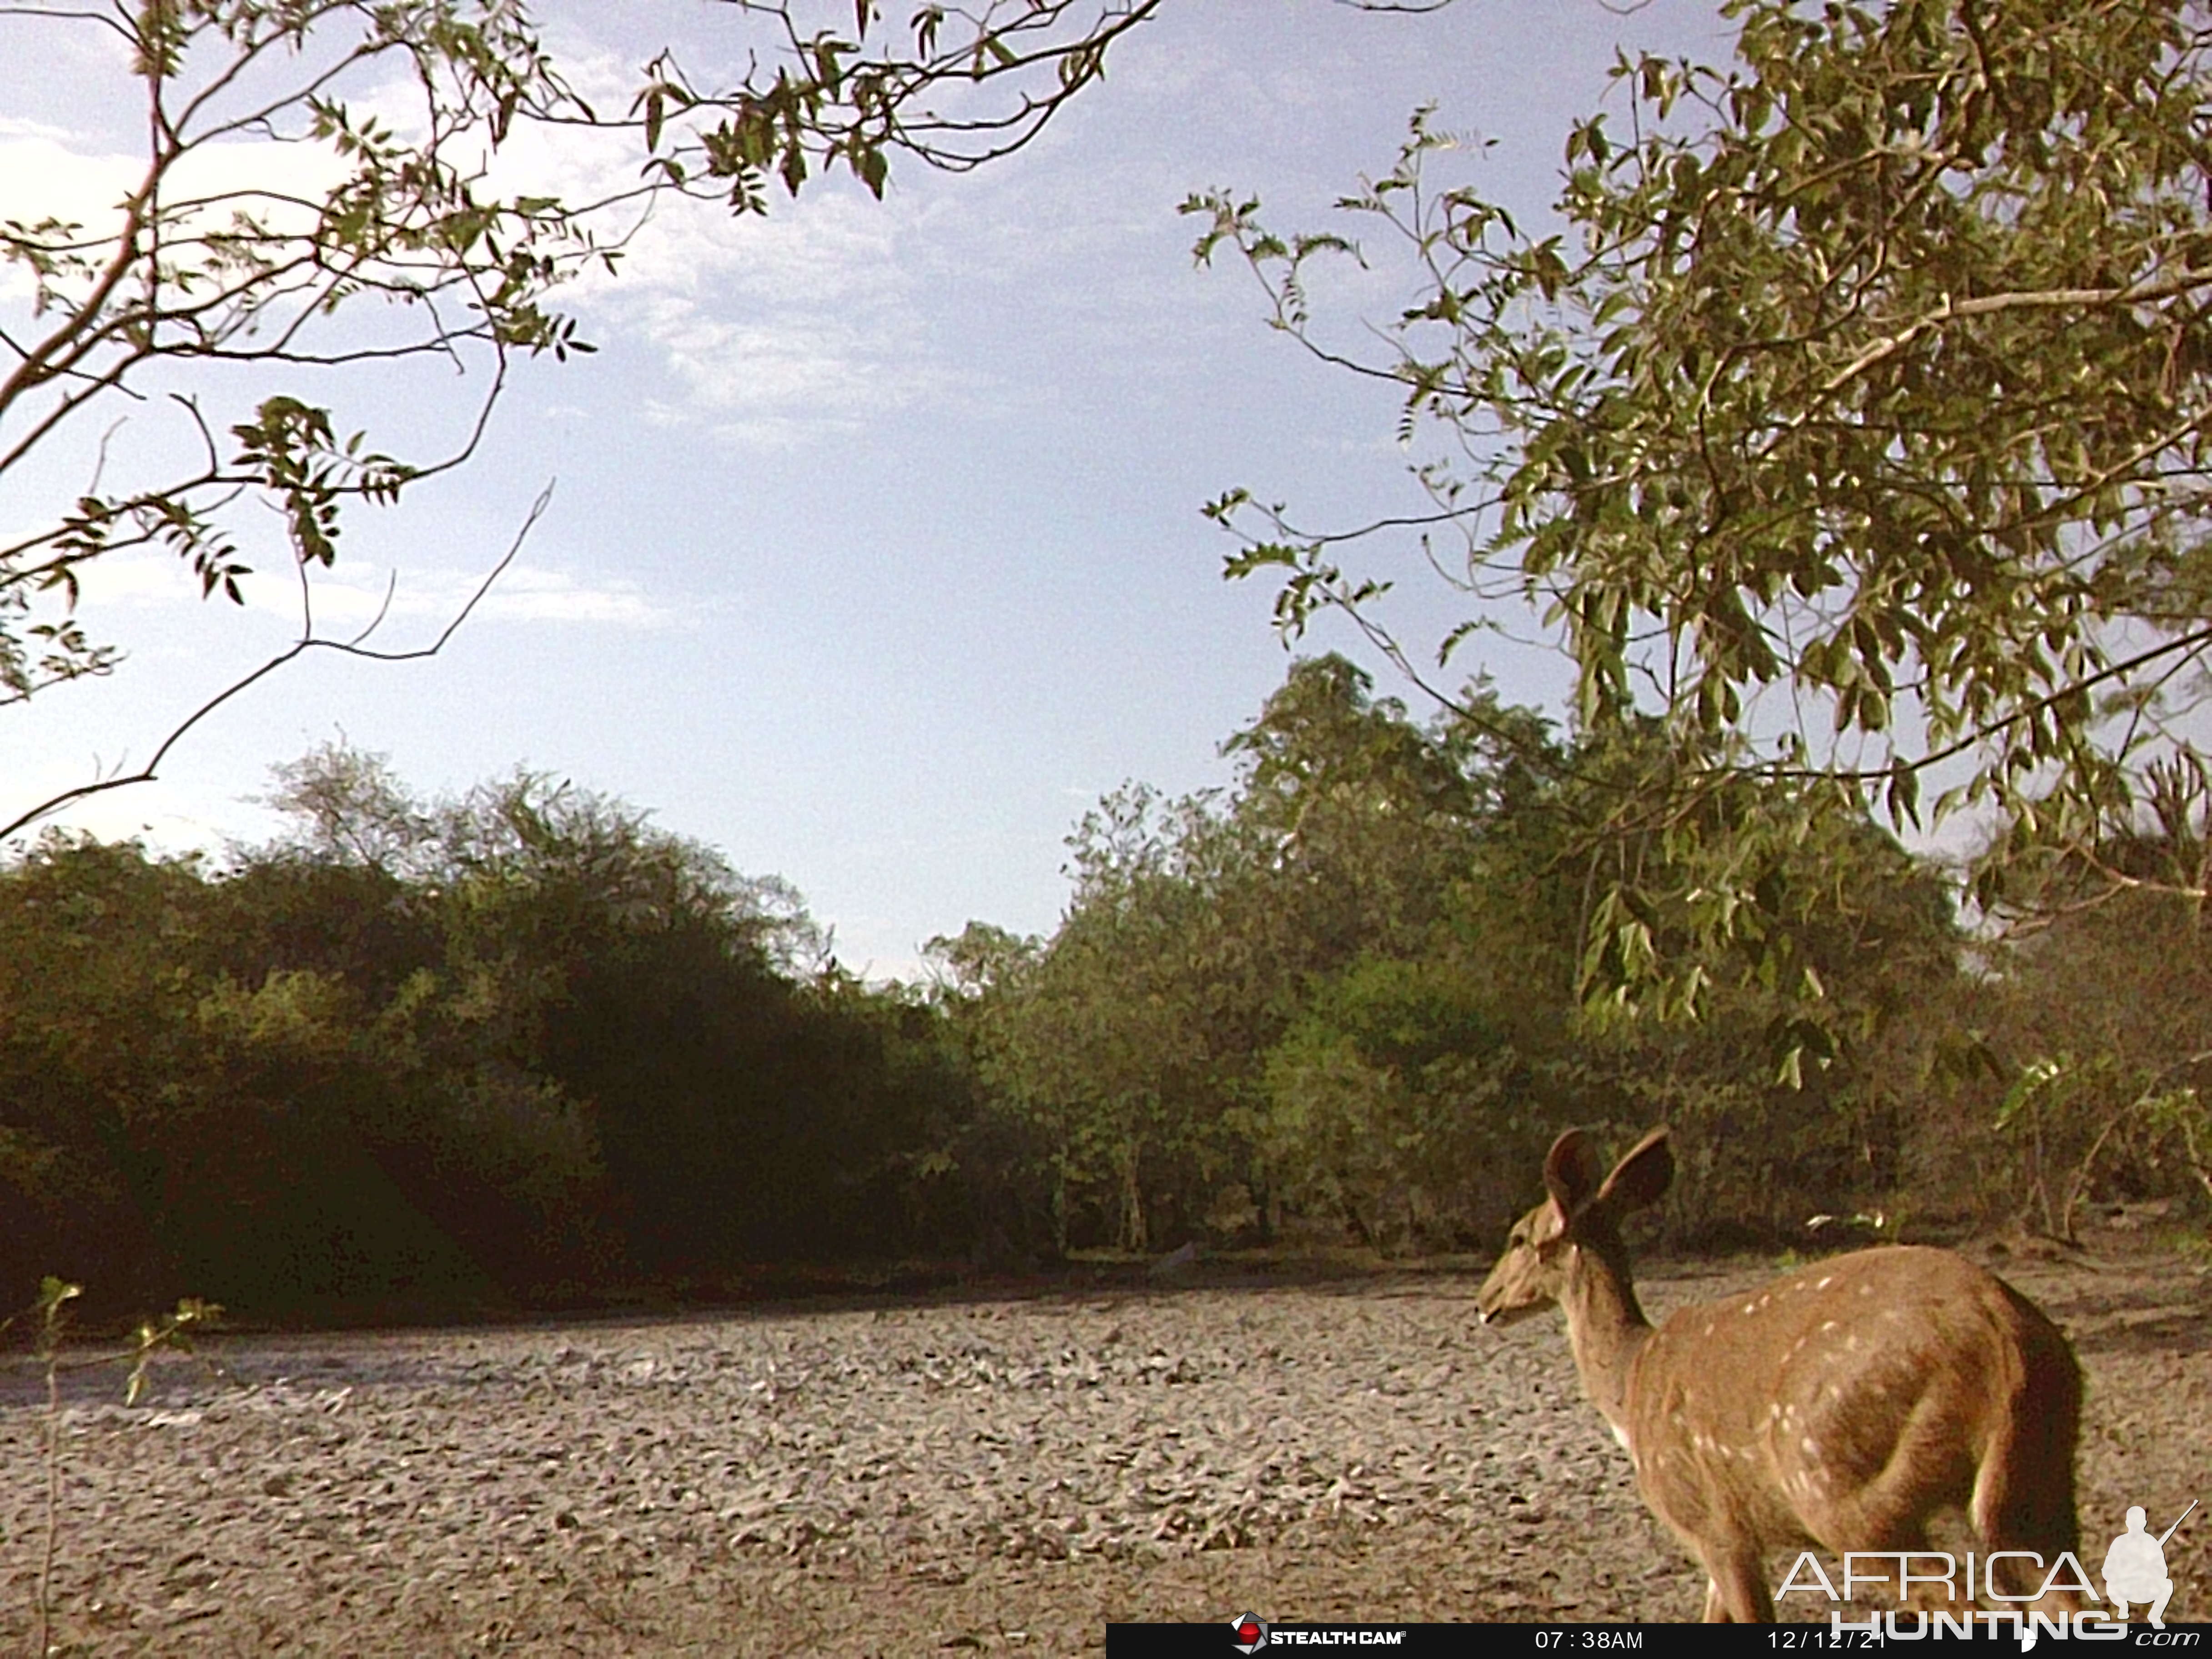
x=299, y=647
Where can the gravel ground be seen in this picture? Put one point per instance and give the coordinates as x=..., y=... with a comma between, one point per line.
x=962, y=1474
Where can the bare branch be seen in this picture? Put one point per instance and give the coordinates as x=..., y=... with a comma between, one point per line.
x=299, y=647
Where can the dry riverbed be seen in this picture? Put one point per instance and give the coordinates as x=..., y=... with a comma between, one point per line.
x=952, y=1475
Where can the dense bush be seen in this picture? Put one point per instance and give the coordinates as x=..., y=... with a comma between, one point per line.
x=505, y=1047
x=1353, y=992
x=523, y=1045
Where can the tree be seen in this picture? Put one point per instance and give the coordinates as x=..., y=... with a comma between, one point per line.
x=358, y=241
x=314, y=209
x=1855, y=425
x=1445, y=1042
x=849, y=87
x=1344, y=993
x=1107, y=1044
x=1136, y=1042
x=2086, y=1043
x=513, y=1045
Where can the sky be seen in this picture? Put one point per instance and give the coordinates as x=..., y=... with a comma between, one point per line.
x=874, y=554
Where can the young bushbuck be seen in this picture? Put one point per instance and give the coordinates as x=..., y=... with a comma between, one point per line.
x=1839, y=1407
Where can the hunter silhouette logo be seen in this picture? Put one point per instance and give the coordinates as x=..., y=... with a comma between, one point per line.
x=2135, y=1567
x=1251, y=1633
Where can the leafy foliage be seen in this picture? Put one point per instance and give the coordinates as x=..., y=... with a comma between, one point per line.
x=318, y=205
x=1853, y=427
x=523, y=1046
x=399, y=248
x=511, y=1045
x=850, y=86
x=1349, y=995
x=2089, y=1052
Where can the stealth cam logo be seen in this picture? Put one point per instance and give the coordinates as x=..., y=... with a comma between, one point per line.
x=1251, y=1633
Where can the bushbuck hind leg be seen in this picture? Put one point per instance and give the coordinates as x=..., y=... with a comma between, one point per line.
x=1906, y=1542
x=2023, y=1495
x=1735, y=1588
x=1888, y=1515
x=2045, y=1533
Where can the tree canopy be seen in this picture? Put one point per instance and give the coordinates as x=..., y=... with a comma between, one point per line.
x=328, y=192
x=1852, y=424
x=1344, y=993
x=516, y=1044
x=1850, y=421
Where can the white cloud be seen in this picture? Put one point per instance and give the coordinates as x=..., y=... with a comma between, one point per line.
x=524, y=593
x=809, y=322
x=805, y=323
x=49, y=172
x=16, y=127
x=802, y=325
x=43, y=174
x=347, y=598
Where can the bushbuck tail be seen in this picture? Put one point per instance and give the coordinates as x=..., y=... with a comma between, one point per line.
x=1841, y=1407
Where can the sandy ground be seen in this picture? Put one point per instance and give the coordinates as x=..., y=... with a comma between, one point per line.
x=958, y=1475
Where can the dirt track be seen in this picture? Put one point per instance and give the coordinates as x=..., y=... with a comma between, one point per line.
x=960, y=1475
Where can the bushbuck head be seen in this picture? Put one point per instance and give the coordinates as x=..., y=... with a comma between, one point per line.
x=1582, y=1210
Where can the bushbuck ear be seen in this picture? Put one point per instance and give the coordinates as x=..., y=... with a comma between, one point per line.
x=1641, y=1177
x=1571, y=1171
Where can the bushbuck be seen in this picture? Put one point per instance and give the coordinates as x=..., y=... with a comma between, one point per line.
x=1841, y=1406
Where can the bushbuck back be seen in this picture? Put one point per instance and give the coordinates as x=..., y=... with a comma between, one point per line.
x=1841, y=1407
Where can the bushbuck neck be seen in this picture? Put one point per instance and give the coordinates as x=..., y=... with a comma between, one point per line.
x=1605, y=1325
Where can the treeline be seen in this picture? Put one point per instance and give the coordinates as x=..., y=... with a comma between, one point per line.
x=515, y=1046
x=524, y=1047
x=1352, y=996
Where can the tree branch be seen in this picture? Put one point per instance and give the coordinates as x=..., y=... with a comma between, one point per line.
x=307, y=642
